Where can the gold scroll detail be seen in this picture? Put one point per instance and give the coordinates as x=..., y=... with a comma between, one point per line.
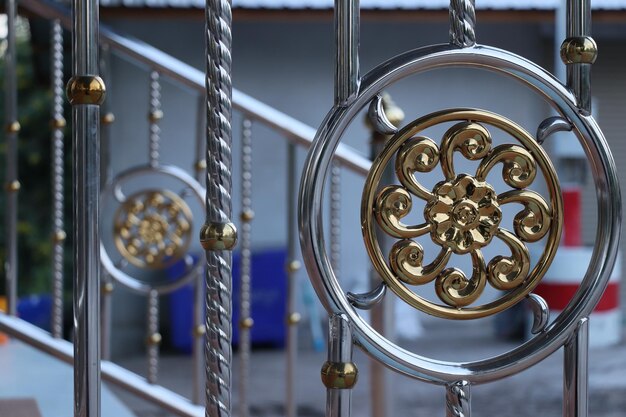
x=153, y=229
x=463, y=213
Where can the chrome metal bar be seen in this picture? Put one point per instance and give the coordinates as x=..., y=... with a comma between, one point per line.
x=199, y=333
x=154, y=116
x=458, y=399
x=579, y=74
x=335, y=218
x=347, y=28
x=12, y=184
x=86, y=183
x=462, y=23
x=58, y=169
x=575, y=372
x=219, y=207
x=115, y=374
x=292, y=267
x=153, y=338
x=293, y=130
x=338, y=400
x=247, y=215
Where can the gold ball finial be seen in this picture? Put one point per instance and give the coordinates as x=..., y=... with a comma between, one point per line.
x=579, y=50
x=86, y=89
x=154, y=339
x=218, y=236
x=339, y=375
x=246, y=323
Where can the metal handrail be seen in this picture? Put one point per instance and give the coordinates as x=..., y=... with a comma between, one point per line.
x=292, y=129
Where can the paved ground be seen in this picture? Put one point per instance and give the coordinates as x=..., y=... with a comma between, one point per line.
x=535, y=392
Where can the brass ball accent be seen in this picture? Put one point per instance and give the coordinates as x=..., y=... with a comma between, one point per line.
x=579, y=50
x=59, y=236
x=247, y=216
x=13, y=127
x=107, y=119
x=199, y=331
x=293, y=266
x=154, y=339
x=155, y=116
x=108, y=288
x=58, y=123
x=13, y=186
x=200, y=165
x=218, y=236
x=87, y=89
x=293, y=319
x=339, y=375
x=246, y=323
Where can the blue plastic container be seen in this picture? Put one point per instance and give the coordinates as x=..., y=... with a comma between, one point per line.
x=269, y=295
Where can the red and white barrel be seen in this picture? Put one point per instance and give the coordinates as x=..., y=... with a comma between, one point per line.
x=563, y=279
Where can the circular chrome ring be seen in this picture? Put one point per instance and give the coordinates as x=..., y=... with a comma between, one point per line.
x=609, y=214
x=114, y=188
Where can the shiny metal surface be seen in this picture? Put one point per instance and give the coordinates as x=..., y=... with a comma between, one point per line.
x=552, y=125
x=541, y=313
x=367, y=301
x=292, y=287
x=609, y=209
x=58, y=168
x=578, y=19
x=338, y=400
x=152, y=340
x=11, y=129
x=115, y=374
x=462, y=23
x=458, y=399
x=575, y=372
x=347, y=27
x=218, y=351
x=246, y=266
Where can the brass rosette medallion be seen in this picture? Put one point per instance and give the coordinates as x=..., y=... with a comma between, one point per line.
x=463, y=213
x=153, y=228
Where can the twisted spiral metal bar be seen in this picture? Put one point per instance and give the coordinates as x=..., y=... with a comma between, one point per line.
x=153, y=338
x=246, y=265
x=155, y=115
x=218, y=278
x=458, y=399
x=58, y=124
x=335, y=218
x=462, y=23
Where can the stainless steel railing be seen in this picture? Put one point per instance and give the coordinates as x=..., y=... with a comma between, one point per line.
x=253, y=112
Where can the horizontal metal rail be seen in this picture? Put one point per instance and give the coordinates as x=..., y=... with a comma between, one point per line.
x=292, y=129
x=111, y=372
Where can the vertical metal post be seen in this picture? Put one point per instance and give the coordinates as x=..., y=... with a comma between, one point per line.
x=292, y=267
x=154, y=116
x=199, y=332
x=579, y=51
x=462, y=23
x=382, y=315
x=347, y=28
x=339, y=373
x=153, y=339
x=458, y=399
x=575, y=372
x=246, y=322
x=12, y=185
x=58, y=168
x=218, y=235
x=86, y=92
x=199, y=161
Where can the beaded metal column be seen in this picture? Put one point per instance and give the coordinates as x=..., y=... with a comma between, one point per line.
x=58, y=125
x=246, y=322
x=335, y=218
x=86, y=92
x=12, y=185
x=153, y=339
x=155, y=115
x=218, y=235
x=293, y=266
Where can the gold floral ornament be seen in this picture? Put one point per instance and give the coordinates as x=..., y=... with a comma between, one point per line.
x=153, y=228
x=463, y=213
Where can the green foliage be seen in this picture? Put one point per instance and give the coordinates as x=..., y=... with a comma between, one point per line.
x=34, y=171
